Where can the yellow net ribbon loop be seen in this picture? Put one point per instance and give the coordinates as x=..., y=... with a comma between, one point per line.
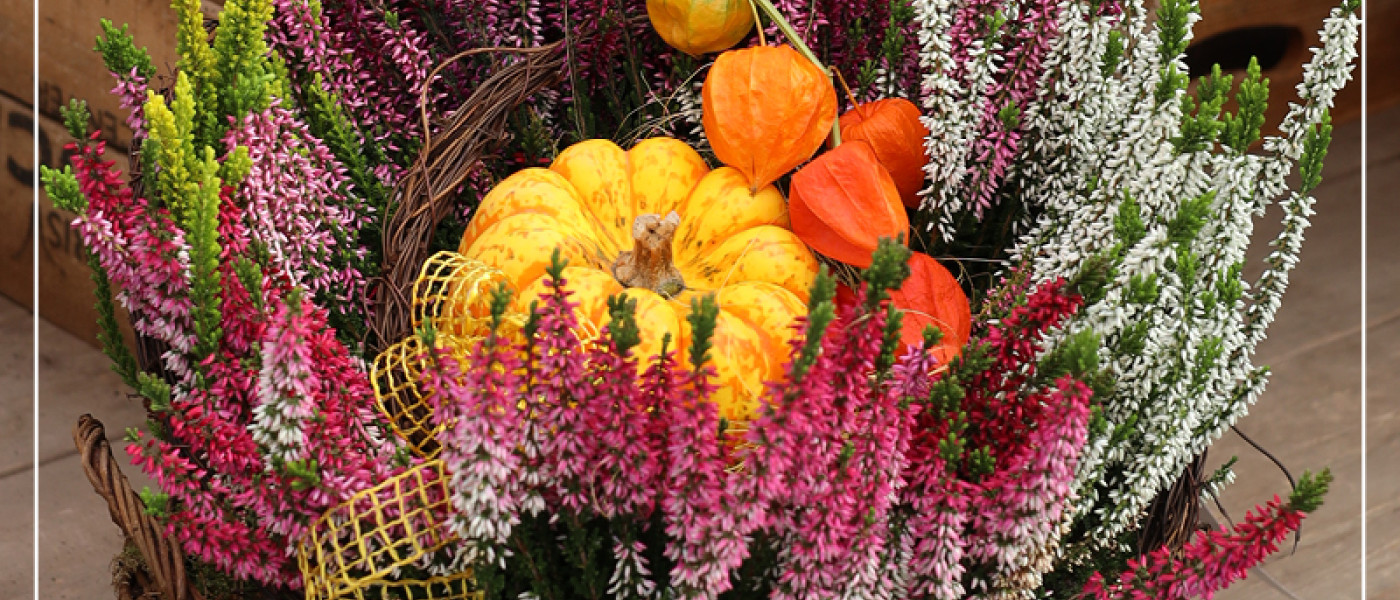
x=356, y=546
x=452, y=295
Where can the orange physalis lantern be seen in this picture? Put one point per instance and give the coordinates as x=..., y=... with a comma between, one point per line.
x=766, y=109
x=844, y=202
x=932, y=296
x=893, y=129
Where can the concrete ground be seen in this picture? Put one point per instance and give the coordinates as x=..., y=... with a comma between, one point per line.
x=1310, y=417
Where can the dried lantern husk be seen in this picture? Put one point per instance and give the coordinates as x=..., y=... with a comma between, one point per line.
x=932, y=296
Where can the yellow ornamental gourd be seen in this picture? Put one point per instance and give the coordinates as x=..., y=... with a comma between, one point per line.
x=656, y=224
x=698, y=27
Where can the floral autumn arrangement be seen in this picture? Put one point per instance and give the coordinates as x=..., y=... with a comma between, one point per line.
x=700, y=335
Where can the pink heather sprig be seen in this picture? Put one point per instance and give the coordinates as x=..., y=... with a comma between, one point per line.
x=997, y=144
x=1216, y=558
x=336, y=449
x=828, y=453
x=131, y=92
x=881, y=442
x=514, y=23
x=1005, y=518
x=561, y=388
x=840, y=484
x=140, y=249
x=701, y=515
x=299, y=34
x=627, y=466
x=389, y=58
x=261, y=499
x=287, y=386
x=298, y=208
x=1025, y=501
x=480, y=406
x=937, y=499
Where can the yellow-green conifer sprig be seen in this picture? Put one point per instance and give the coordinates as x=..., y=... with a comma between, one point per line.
x=197, y=60
x=242, y=68
x=202, y=234
x=171, y=139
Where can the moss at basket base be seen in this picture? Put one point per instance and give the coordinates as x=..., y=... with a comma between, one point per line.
x=214, y=584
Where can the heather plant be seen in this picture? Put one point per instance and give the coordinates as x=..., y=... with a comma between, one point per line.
x=610, y=483
x=235, y=257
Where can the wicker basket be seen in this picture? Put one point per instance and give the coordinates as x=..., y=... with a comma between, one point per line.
x=423, y=198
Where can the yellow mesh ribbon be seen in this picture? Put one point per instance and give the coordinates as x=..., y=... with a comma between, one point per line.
x=452, y=295
x=354, y=547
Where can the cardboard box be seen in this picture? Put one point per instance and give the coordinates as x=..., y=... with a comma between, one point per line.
x=66, y=289
x=17, y=201
x=17, y=46
x=70, y=68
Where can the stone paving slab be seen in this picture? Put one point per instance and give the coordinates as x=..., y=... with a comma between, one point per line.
x=17, y=392
x=1383, y=358
x=77, y=537
x=1383, y=451
x=16, y=449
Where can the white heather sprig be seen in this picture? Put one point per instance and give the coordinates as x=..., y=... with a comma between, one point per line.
x=1188, y=372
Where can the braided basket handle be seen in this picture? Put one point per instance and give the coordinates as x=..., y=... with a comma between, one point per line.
x=423, y=196
x=164, y=559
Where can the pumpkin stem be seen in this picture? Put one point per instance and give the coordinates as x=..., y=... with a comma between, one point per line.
x=648, y=264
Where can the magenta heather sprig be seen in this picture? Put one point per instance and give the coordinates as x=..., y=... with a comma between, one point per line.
x=701, y=515
x=991, y=467
x=139, y=248
x=480, y=447
x=1216, y=558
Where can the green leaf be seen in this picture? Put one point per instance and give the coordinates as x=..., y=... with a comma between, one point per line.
x=622, y=326
x=1307, y=495
x=1242, y=129
x=120, y=54
x=1190, y=217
